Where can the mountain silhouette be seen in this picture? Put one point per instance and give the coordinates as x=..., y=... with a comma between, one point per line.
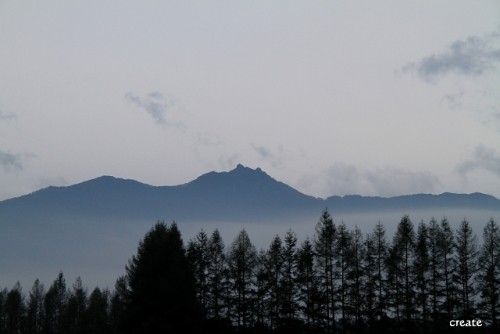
x=242, y=194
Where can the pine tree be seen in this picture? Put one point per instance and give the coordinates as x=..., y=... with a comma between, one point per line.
x=162, y=295
x=289, y=279
x=3, y=320
x=355, y=277
x=199, y=259
x=119, y=301
x=489, y=274
x=96, y=315
x=216, y=276
x=342, y=259
x=404, y=242
x=446, y=247
x=274, y=263
x=55, y=304
x=324, y=248
x=242, y=260
x=14, y=311
x=76, y=308
x=421, y=267
x=308, y=285
x=466, y=245
x=36, y=310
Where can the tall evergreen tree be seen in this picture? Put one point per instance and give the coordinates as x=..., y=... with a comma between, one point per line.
x=489, y=274
x=308, y=285
x=435, y=270
x=217, y=277
x=401, y=260
x=14, y=311
x=242, y=260
x=118, y=304
x=355, y=277
x=162, y=295
x=55, y=304
x=446, y=251
x=466, y=245
x=324, y=248
x=199, y=258
x=342, y=263
x=421, y=267
x=289, y=279
x=274, y=263
x=3, y=320
x=36, y=310
x=96, y=315
x=76, y=308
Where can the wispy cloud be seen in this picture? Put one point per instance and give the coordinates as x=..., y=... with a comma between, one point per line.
x=389, y=181
x=483, y=158
x=9, y=161
x=341, y=179
x=7, y=116
x=155, y=105
x=472, y=56
x=275, y=158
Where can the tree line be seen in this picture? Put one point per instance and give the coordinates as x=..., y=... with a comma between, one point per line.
x=339, y=281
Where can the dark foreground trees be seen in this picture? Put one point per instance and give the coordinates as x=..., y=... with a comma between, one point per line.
x=339, y=281
x=161, y=296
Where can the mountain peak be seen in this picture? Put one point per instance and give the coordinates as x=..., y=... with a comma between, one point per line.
x=241, y=167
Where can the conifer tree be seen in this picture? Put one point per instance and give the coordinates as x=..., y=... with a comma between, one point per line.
x=242, y=260
x=324, y=248
x=55, y=304
x=355, y=277
x=308, y=285
x=96, y=315
x=14, y=311
x=118, y=304
x=342, y=259
x=217, y=276
x=35, y=309
x=446, y=247
x=421, y=267
x=489, y=274
x=199, y=259
x=289, y=279
x=466, y=245
x=76, y=308
x=404, y=245
x=274, y=263
x=161, y=295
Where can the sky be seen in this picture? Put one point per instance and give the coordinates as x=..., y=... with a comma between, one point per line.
x=331, y=97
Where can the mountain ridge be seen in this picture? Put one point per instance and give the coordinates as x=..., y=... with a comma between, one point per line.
x=242, y=193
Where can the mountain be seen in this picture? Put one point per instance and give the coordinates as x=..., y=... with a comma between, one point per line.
x=91, y=229
x=242, y=194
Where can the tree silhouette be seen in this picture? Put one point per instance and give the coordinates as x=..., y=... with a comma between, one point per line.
x=489, y=274
x=466, y=245
x=242, y=260
x=161, y=286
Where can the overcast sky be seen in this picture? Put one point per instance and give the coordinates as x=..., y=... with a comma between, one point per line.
x=332, y=97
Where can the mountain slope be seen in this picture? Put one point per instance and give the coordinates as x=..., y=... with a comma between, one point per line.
x=242, y=194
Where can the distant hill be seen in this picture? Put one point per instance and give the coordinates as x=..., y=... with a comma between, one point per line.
x=242, y=194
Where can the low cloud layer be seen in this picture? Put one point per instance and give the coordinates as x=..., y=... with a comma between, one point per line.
x=10, y=162
x=483, y=159
x=472, y=56
x=385, y=181
x=154, y=104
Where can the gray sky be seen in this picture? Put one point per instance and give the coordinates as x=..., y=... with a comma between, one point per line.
x=332, y=97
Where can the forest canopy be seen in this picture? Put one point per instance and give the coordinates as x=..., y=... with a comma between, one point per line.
x=425, y=278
